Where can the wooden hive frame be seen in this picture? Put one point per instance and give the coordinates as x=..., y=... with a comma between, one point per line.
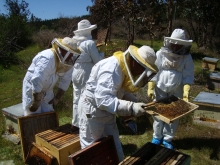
x=31, y=125
x=151, y=109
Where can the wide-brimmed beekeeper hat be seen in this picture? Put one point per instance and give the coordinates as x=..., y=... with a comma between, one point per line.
x=144, y=55
x=84, y=26
x=68, y=44
x=178, y=37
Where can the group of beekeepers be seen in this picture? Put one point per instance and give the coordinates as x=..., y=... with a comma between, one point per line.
x=103, y=87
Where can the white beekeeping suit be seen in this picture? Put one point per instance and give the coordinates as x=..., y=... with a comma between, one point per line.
x=175, y=76
x=108, y=92
x=46, y=68
x=83, y=66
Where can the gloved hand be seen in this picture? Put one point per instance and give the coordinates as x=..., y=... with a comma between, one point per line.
x=36, y=102
x=129, y=97
x=186, y=89
x=137, y=109
x=150, y=91
x=58, y=96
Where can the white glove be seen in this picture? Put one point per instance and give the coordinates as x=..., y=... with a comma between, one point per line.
x=138, y=109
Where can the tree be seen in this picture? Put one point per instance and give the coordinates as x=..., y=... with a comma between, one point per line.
x=203, y=17
x=151, y=18
x=14, y=32
x=104, y=12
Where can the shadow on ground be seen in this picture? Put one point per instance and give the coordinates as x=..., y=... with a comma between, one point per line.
x=198, y=144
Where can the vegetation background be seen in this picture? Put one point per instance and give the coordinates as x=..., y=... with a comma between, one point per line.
x=22, y=35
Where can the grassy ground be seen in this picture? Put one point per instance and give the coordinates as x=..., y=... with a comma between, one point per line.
x=200, y=142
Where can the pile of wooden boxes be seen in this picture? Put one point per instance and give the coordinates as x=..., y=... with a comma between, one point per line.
x=208, y=112
x=41, y=137
x=213, y=78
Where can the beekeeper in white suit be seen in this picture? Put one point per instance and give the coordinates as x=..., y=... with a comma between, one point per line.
x=175, y=76
x=108, y=92
x=46, y=68
x=88, y=58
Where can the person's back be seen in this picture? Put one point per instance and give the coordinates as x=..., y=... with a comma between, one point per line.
x=108, y=92
x=45, y=70
x=88, y=58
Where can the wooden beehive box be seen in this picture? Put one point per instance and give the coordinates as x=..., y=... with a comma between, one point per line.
x=11, y=115
x=170, y=108
x=60, y=142
x=209, y=63
x=157, y=155
x=213, y=81
x=102, y=152
x=209, y=109
x=100, y=36
x=29, y=126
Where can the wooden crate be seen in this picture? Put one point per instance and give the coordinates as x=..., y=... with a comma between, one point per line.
x=154, y=154
x=11, y=115
x=29, y=126
x=100, y=36
x=60, y=142
x=102, y=152
x=209, y=63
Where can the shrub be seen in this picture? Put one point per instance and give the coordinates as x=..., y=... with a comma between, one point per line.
x=44, y=37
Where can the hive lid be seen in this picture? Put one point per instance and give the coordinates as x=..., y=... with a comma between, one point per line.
x=215, y=75
x=209, y=59
x=14, y=111
x=207, y=98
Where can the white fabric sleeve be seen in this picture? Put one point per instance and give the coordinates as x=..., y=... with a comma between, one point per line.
x=107, y=80
x=124, y=108
x=44, y=66
x=188, y=70
x=93, y=51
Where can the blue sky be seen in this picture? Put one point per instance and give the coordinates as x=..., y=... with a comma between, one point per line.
x=48, y=9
